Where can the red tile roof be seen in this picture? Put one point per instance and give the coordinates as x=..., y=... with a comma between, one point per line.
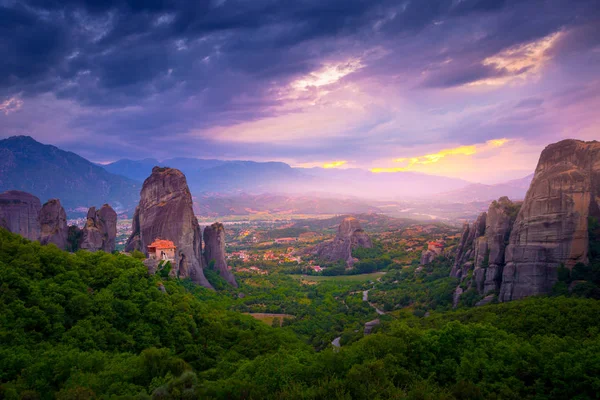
x=162, y=244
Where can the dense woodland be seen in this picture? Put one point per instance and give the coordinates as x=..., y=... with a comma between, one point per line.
x=96, y=325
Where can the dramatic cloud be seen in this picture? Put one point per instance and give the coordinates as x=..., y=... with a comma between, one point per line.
x=302, y=81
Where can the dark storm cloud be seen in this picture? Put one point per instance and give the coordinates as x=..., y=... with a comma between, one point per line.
x=31, y=47
x=168, y=67
x=124, y=43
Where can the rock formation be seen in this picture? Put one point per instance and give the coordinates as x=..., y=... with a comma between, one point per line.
x=521, y=247
x=434, y=249
x=100, y=230
x=214, y=250
x=53, y=224
x=427, y=256
x=350, y=236
x=552, y=226
x=19, y=212
x=165, y=212
x=369, y=326
x=481, y=249
x=467, y=246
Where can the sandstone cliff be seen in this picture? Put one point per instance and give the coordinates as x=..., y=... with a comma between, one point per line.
x=552, y=226
x=165, y=212
x=19, y=212
x=100, y=230
x=53, y=224
x=214, y=250
x=350, y=236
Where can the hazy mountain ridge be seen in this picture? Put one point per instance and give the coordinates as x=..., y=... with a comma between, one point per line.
x=49, y=172
x=514, y=189
x=209, y=175
x=233, y=187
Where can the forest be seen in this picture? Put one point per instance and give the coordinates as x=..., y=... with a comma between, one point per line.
x=97, y=325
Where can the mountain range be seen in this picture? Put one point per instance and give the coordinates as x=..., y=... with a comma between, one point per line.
x=49, y=172
x=222, y=185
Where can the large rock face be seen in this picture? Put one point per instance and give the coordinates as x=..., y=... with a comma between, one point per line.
x=165, y=212
x=350, y=236
x=19, y=212
x=100, y=230
x=214, y=250
x=552, y=226
x=522, y=247
x=53, y=224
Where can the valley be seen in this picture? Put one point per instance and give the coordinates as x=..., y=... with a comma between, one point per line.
x=261, y=303
x=299, y=200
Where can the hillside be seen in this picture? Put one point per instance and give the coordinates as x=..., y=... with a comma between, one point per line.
x=49, y=172
x=96, y=325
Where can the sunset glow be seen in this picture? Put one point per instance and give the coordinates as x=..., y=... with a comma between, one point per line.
x=334, y=164
x=393, y=86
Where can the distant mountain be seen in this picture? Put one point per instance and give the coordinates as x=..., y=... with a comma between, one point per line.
x=49, y=172
x=139, y=170
x=514, y=189
x=248, y=204
x=234, y=177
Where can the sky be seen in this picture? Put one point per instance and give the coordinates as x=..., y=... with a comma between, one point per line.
x=473, y=89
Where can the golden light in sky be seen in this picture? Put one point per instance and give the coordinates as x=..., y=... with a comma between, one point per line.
x=334, y=164
x=410, y=162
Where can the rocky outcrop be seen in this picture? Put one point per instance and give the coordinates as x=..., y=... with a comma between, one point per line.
x=434, y=249
x=214, y=251
x=350, y=236
x=467, y=247
x=552, y=226
x=165, y=211
x=100, y=230
x=501, y=216
x=524, y=244
x=427, y=257
x=19, y=213
x=482, y=247
x=53, y=224
x=369, y=326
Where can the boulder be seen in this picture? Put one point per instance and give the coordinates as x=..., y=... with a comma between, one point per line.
x=214, y=250
x=349, y=237
x=427, y=257
x=486, y=300
x=100, y=230
x=456, y=297
x=53, y=224
x=166, y=212
x=552, y=225
x=19, y=212
x=369, y=326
